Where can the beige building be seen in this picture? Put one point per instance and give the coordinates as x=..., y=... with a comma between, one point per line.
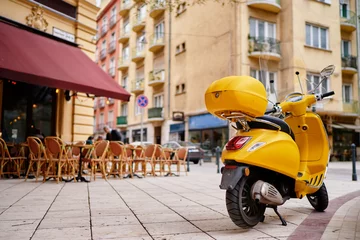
x=47, y=73
x=172, y=57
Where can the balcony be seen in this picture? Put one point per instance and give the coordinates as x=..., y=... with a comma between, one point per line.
x=95, y=103
x=101, y=103
x=96, y=57
x=123, y=64
x=103, y=30
x=157, y=42
x=102, y=54
x=267, y=5
x=351, y=107
x=110, y=101
x=112, y=72
x=138, y=53
x=138, y=86
x=157, y=8
x=347, y=21
x=349, y=64
x=156, y=77
x=268, y=48
x=112, y=46
x=138, y=23
x=112, y=21
x=121, y=121
x=124, y=37
x=155, y=114
x=100, y=128
x=125, y=8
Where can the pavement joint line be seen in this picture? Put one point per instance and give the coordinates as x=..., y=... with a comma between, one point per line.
x=334, y=205
x=21, y=197
x=171, y=208
x=47, y=211
x=130, y=208
x=91, y=232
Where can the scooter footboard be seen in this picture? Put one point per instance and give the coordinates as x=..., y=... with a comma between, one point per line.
x=230, y=176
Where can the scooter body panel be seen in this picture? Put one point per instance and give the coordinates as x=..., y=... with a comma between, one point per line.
x=269, y=149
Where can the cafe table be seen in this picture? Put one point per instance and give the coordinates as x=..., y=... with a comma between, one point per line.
x=79, y=177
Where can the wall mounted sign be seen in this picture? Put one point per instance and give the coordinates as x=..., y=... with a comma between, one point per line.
x=63, y=35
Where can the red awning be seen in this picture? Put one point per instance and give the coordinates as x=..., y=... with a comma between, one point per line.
x=35, y=59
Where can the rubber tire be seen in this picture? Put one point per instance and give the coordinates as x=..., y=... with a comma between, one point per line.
x=319, y=200
x=235, y=207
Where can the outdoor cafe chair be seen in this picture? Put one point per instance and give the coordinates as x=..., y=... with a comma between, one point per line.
x=37, y=158
x=180, y=159
x=138, y=159
x=61, y=162
x=149, y=156
x=98, y=158
x=9, y=164
x=120, y=163
x=159, y=159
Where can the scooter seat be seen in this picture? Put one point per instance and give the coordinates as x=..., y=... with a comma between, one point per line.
x=283, y=125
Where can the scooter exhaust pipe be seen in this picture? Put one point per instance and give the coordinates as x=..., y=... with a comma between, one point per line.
x=266, y=193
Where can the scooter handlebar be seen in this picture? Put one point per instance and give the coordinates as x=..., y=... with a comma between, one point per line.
x=328, y=94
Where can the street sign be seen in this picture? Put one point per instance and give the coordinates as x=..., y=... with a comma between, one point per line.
x=142, y=101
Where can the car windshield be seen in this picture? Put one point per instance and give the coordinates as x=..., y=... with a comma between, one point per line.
x=187, y=144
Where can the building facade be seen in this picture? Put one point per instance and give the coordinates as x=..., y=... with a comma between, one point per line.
x=171, y=57
x=107, y=52
x=47, y=94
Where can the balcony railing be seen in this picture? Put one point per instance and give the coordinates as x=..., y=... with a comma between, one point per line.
x=110, y=101
x=267, y=5
x=349, y=62
x=138, y=53
x=157, y=8
x=155, y=112
x=103, y=29
x=156, y=77
x=259, y=46
x=101, y=102
x=138, y=85
x=123, y=63
x=351, y=107
x=103, y=53
x=110, y=124
x=112, y=21
x=121, y=120
x=100, y=128
x=112, y=46
x=157, y=42
x=125, y=8
x=112, y=71
x=348, y=20
x=124, y=37
x=95, y=103
x=138, y=23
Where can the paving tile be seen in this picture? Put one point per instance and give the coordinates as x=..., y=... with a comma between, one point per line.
x=62, y=234
x=238, y=234
x=69, y=214
x=19, y=225
x=187, y=236
x=107, y=220
x=160, y=218
x=216, y=225
x=68, y=222
x=118, y=232
x=170, y=228
x=16, y=235
x=110, y=212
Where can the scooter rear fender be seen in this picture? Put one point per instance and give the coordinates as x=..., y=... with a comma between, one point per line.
x=269, y=149
x=230, y=177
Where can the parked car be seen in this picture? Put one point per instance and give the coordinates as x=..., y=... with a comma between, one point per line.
x=138, y=143
x=195, y=153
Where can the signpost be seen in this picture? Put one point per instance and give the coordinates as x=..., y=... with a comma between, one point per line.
x=142, y=101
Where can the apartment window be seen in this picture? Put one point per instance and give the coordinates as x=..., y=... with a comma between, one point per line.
x=104, y=20
x=180, y=88
x=317, y=36
x=141, y=12
x=313, y=81
x=183, y=87
x=345, y=48
x=344, y=9
x=124, y=109
x=101, y=120
x=113, y=12
x=180, y=8
x=110, y=118
x=124, y=82
x=262, y=29
x=159, y=31
x=137, y=109
x=181, y=48
x=125, y=53
x=325, y=1
x=159, y=101
x=347, y=93
x=113, y=37
x=112, y=66
x=264, y=77
x=103, y=67
x=140, y=43
x=103, y=45
x=126, y=27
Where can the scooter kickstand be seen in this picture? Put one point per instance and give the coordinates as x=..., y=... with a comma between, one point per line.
x=277, y=213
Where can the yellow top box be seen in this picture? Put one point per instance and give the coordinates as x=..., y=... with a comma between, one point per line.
x=236, y=94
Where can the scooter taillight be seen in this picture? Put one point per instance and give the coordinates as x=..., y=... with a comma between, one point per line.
x=237, y=142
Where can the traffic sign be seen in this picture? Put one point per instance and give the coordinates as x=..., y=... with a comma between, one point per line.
x=142, y=101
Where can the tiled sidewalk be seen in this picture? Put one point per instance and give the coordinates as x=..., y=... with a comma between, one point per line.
x=163, y=208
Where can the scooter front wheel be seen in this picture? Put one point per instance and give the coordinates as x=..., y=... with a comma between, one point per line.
x=319, y=200
x=242, y=209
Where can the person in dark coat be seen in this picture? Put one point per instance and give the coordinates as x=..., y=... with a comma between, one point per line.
x=112, y=134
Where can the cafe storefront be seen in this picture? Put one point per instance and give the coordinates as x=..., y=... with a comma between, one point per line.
x=47, y=84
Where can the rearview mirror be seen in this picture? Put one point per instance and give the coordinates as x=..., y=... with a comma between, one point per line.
x=326, y=72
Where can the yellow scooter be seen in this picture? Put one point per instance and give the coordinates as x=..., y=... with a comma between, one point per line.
x=270, y=160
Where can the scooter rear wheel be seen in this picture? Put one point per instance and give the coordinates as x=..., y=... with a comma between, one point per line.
x=242, y=209
x=319, y=200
